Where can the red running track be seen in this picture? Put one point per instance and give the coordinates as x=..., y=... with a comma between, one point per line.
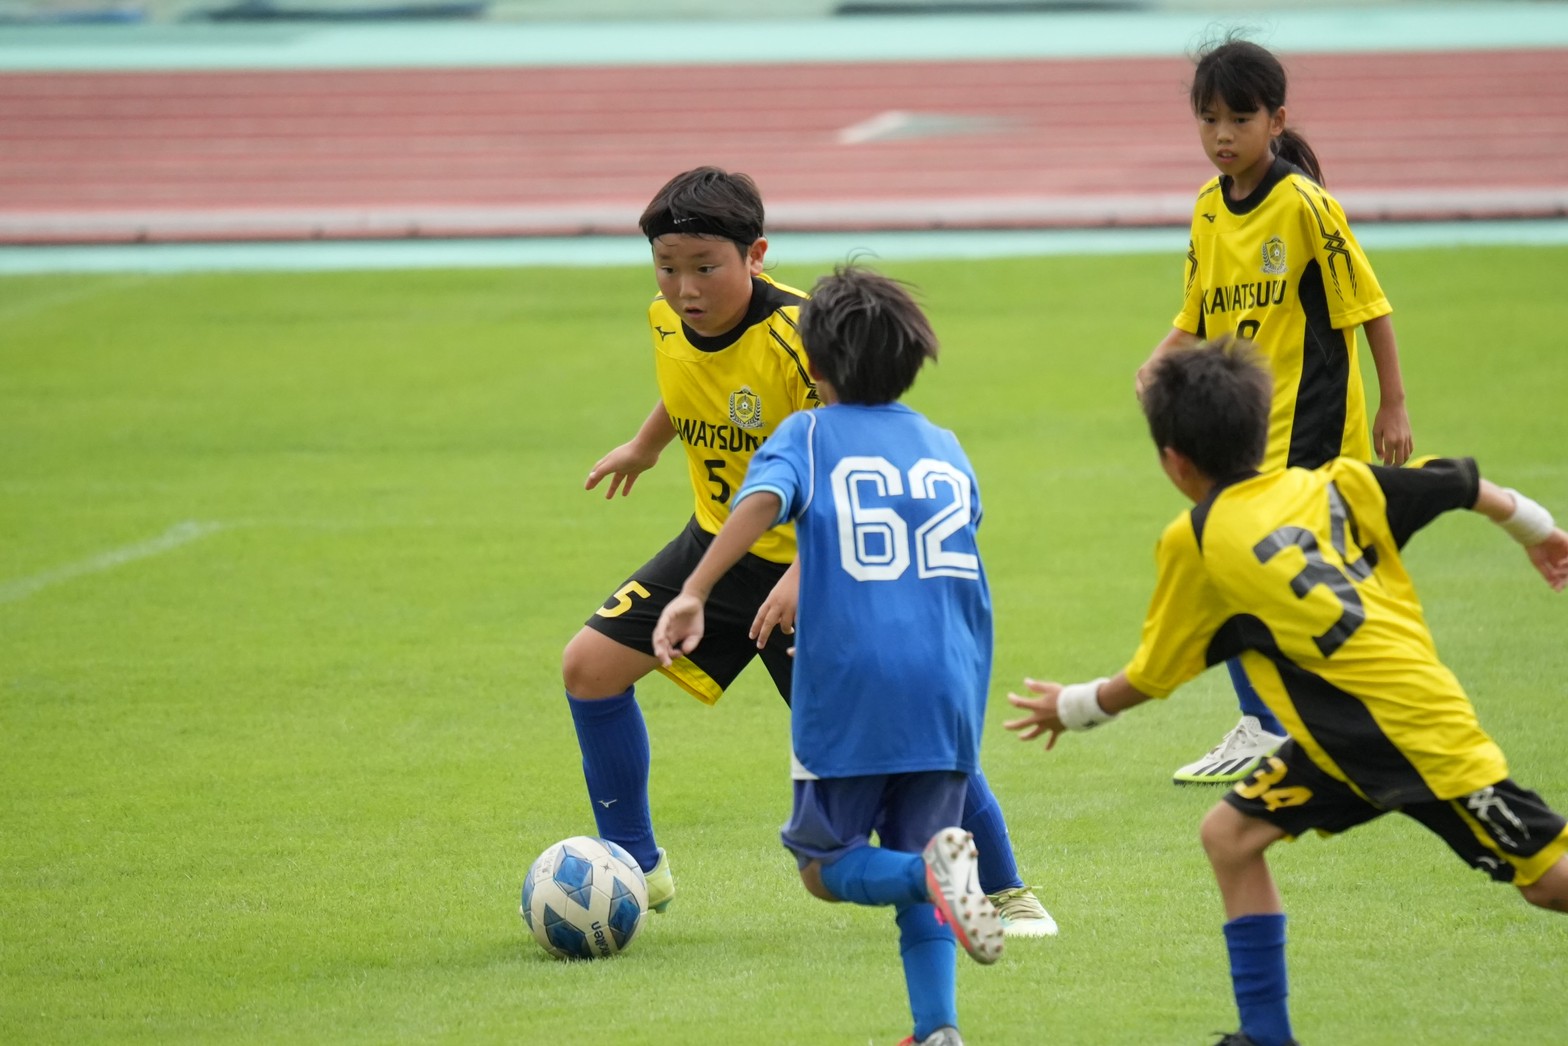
x=158, y=156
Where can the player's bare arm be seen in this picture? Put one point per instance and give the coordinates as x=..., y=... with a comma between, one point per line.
x=1176, y=339
x=631, y=459
x=778, y=610
x=1532, y=526
x=1392, y=440
x=1054, y=709
x=680, y=626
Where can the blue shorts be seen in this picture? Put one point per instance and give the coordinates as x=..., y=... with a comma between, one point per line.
x=834, y=815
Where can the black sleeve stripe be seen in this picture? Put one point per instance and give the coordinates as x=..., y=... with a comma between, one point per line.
x=800, y=365
x=1334, y=244
x=1418, y=494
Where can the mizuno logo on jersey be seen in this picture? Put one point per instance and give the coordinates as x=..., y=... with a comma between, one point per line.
x=662, y=332
x=1209, y=218
x=695, y=433
x=1247, y=295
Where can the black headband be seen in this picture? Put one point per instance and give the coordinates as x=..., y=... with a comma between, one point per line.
x=700, y=225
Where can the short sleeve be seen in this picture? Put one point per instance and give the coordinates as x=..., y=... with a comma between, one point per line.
x=1353, y=292
x=782, y=466
x=1184, y=613
x=1424, y=490
x=1190, y=318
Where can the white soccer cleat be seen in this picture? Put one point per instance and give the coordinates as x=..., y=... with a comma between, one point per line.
x=1236, y=756
x=953, y=880
x=661, y=884
x=1022, y=913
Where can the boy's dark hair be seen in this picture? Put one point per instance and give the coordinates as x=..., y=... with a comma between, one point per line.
x=1211, y=404
x=706, y=201
x=865, y=335
x=1246, y=76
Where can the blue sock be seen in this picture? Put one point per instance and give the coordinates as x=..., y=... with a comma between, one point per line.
x=871, y=875
x=614, y=743
x=930, y=957
x=1251, y=704
x=983, y=818
x=1257, y=972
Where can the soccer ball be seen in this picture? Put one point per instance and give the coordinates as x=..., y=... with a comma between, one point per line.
x=585, y=898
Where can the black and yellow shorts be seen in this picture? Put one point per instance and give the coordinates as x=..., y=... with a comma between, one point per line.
x=629, y=617
x=1503, y=829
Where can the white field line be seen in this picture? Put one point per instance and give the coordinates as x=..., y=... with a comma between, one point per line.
x=24, y=307
x=174, y=537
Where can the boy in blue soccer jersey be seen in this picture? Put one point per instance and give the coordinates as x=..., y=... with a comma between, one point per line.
x=1298, y=573
x=730, y=368
x=892, y=640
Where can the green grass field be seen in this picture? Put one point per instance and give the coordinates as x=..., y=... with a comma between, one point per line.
x=287, y=563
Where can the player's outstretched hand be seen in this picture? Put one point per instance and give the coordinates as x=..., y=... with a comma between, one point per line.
x=1551, y=559
x=1042, y=715
x=1141, y=378
x=623, y=464
x=679, y=629
x=778, y=610
x=1391, y=437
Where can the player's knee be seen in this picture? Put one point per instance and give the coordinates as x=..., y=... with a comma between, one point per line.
x=1224, y=835
x=581, y=673
x=1550, y=891
x=811, y=876
x=573, y=675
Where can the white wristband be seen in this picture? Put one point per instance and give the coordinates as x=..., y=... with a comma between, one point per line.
x=1530, y=524
x=1078, y=706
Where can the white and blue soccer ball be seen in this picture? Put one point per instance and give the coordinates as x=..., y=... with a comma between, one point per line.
x=585, y=898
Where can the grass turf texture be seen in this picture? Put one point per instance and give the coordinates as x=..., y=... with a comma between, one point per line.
x=277, y=775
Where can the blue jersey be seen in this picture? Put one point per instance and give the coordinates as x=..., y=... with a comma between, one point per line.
x=893, y=631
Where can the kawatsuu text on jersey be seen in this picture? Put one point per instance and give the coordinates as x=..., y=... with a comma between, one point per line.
x=1236, y=296
x=695, y=432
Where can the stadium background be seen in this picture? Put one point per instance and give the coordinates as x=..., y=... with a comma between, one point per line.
x=295, y=120
x=287, y=557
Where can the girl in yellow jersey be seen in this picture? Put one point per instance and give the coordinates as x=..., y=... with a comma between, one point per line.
x=1272, y=259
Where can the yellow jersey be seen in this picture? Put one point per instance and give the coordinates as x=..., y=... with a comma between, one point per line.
x=726, y=394
x=1282, y=269
x=1299, y=573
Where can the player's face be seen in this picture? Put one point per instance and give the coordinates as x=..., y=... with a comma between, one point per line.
x=706, y=280
x=1239, y=143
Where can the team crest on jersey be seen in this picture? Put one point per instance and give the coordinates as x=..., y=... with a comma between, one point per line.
x=1274, y=257
x=746, y=408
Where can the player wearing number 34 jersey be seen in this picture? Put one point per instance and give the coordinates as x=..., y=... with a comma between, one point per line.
x=1300, y=574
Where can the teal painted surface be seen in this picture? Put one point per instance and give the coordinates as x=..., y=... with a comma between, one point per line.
x=805, y=248
x=1401, y=27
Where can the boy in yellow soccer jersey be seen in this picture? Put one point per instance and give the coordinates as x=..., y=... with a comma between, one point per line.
x=1299, y=574
x=1273, y=260
x=730, y=368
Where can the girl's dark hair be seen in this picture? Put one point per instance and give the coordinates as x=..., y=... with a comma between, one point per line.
x=865, y=335
x=706, y=201
x=1246, y=76
x=1211, y=403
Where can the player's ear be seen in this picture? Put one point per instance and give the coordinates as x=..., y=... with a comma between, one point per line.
x=754, y=255
x=1277, y=122
x=1178, y=467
